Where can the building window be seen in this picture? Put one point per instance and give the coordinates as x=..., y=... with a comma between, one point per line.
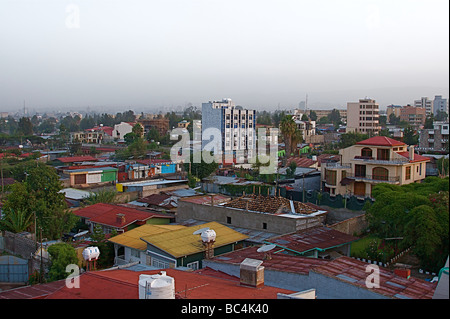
x=135, y=253
x=158, y=263
x=383, y=154
x=360, y=170
x=366, y=152
x=380, y=174
x=228, y=220
x=408, y=173
x=330, y=177
x=264, y=225
x=194, y=265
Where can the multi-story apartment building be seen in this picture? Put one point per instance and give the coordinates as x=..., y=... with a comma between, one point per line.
x=436, y=139
x=161, y=124
x=236, y=124
x=426, y=104
x=440, y=105
x=414, y=116
x=393, y=109
x=363, y=117
x=87, y=137
x=376, y=160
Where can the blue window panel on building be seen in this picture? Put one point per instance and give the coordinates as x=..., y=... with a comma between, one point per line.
x=167, y=169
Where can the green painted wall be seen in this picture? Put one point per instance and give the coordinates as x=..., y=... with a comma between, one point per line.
x=109, y=176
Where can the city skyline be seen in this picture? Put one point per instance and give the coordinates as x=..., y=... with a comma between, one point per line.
x=117, y=55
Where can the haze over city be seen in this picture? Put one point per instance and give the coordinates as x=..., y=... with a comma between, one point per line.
x=142, y=55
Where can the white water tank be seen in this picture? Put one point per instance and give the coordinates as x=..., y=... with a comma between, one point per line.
x=91, y=253
x=159, y=286
x=208, y=236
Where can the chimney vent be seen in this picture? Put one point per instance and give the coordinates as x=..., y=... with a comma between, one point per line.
x=251, y=273
x=120, y=218
x=411, y=153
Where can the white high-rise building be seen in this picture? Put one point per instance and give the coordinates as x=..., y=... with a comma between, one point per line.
x=237, y=126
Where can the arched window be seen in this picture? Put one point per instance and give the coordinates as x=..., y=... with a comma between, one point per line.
x=366, y=152
x=380, y=174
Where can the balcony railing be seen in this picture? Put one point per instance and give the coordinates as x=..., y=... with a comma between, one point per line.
x=376, y=178
x=372, y=160
x=337, y=165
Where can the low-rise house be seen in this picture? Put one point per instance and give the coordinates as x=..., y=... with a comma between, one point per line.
x=120, y=218
x=273, y=214
x=74, y=160
x=184, y=248
x=130, y=248
x=85, y=177
x=153, y=186
x=376, y=160
x=74, y=197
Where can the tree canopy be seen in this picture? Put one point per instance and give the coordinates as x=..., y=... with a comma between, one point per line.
x=418, y=212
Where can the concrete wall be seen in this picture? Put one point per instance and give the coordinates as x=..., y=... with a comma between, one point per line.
x=355, y=225
x=326, y=287
x=239, y=218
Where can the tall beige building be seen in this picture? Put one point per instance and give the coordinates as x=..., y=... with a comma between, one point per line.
x=363, y=117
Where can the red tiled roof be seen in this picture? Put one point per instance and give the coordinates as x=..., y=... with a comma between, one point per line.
x=73, y=159
x=316, y=238
x=123, y=284
x=381, y=141
x=417, y=157
x=106, y=214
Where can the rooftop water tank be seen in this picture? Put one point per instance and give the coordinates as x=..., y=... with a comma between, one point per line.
x=208, y=236
x=91, y=253
x=159, y=286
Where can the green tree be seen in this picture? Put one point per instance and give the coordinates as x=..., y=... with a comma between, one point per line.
x=202, y=169
x=351, y=138
x=25, y=127
x=16, y=221
x=313, y=115
x=409, y=136
x=290, y=134
x=138, y=130
x=425, y=233
x=418, y=212
x=61, y=255
x=38, y=193
x=102, y=196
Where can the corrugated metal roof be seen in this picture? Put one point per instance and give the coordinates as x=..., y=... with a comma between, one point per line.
x=183, y=242
x=318, y=238
x=132, y=238
x=73, y=193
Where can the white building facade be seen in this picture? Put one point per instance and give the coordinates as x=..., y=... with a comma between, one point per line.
x=237, y=127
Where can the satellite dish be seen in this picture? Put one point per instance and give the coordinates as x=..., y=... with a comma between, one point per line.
x=266, y=248
x=199, y=231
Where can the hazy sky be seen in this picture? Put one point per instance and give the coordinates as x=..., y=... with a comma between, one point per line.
x=143, y=54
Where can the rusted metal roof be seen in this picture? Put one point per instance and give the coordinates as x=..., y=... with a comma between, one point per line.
x=318, y=238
